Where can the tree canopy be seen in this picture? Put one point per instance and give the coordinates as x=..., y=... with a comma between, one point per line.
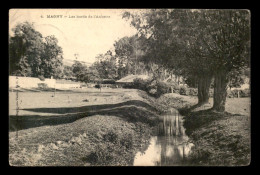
x=196, y=43
x=31, y=54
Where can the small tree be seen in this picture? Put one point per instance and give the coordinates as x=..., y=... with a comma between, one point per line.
x=80, y=71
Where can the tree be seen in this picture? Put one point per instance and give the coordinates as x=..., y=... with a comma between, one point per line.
x=128, y=51
x=93, y=74
x=106, y=66
x=204, y=43
x=25, y=49
x=229, y=45
x=67, y=72
x=52, y=58
x=80, y=71
x=172, y=43
x=33, y=55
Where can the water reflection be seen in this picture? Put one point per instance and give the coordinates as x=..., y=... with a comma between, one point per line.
x=170, y=146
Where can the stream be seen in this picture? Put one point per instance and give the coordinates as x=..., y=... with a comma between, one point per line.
x=170, y=145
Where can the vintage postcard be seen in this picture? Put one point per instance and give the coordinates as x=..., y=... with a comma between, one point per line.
x=129, y=87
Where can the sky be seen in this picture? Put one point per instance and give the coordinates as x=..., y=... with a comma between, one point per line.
x=92, y=34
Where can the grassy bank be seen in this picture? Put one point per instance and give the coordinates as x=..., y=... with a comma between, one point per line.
x=220, y=139
x=89, y=127
x=105, y=134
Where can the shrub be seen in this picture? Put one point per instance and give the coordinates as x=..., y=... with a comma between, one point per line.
x=128, y=85
x=173, y=87
x=234, y=93
x=183, y=90
x=245, y=93
x=42, y=85
x=152, y=91
x=97, y=86
x=111, y=136
x=41, y=77
x=103, y=155
x=108, y=81
x=113, y=86
x=192, y=91
x=113, y=152
x=83, y=85
x=139, y=83
x=127, y=141
x=162, y=88
x=157, y=88
x=152, y=84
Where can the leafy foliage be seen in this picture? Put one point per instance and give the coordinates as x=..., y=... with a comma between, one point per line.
x=129, y=53
x=105, y=66
x=67, y=72
x=183, y=90
x=196, y=42
x=31, y=54
x=80, y=71
x=236, y=79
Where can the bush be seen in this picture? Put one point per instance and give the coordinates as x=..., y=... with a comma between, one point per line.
x=152, y=84
x=104, y=155
x=128, y=85
x=113, y=152
x=83, y=85
x=41, y=77
x=153, y=87
x=97, y=86
x=108, y=81
x=152, y=92
x=113, y=86
x=245, y=93
x=127, y=141
x=183, y=90
x=235, y=92
x=42, y=85
x=242, y=93
x=193, y=91
x=139, y=83
x=111, y=136
x=162, y=88
x=157, y=88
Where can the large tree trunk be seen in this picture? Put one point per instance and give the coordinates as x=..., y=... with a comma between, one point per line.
x=203, y=89
x=220, y=91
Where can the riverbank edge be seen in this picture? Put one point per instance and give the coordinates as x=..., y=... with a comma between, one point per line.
x=100, y=140
x=221, y=139
x=85, y=137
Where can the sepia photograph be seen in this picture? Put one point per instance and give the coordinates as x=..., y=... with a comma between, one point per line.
x=129, y=87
